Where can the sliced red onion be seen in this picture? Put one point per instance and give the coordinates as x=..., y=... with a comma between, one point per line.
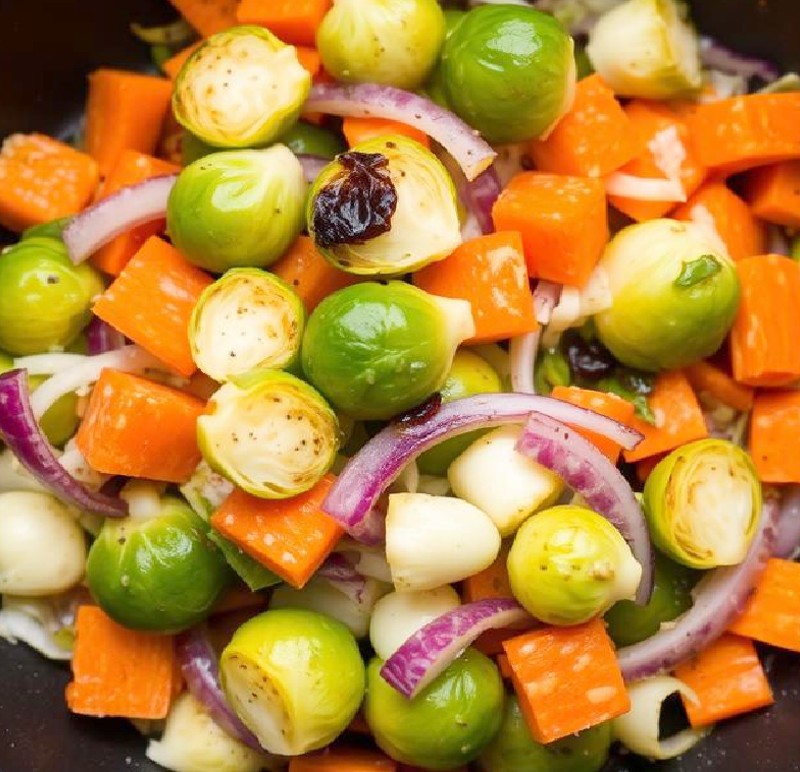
x=787, y=541
x=644, y=188
x=102, y=337
x=717, y=57
x=312, y=166
x=19, y=430
x=588, y=472
x=380, y=461
x=201, y=670
x=128, y=207
x=718, y=599
x=341, y=573
x=371, y=100
x=522, y=355
x=430, y=650
x=546, y=295
x=478, y=196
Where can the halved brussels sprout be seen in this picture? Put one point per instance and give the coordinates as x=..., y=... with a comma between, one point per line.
x=45, y=300
x=237, y=208
x=509, y=71
x=646, y=48
x=308, y=139
x=394, y=42
x=157, y=573
x=269, y=433
x=568, y=564
x=294, y=677
x=375, y=350
x=448, y=724
x=248, y=318
x=385, y=207
x=703, y=502
x=243, y=87
x=675, y=295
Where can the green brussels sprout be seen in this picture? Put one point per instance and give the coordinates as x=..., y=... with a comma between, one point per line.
x=269, y=433
x=6, y=362
x=52, y=229
x=248, y=318
x=552, y=370
x=193, y=148
x=307, y=139
x=60, y=420
x=385, y=207
x=237, y=208
x=568, y=564
x=45, y=300
x=509, y=71
x=295, y=677
x=242, y=88
x=702, y=503
x=514, y=750
x=469, y=374
x=447, y=724
x=647, y=48
x=675, y=295
x=394, y=42
x=629, y=623
x=156, y=573
x=375, y=350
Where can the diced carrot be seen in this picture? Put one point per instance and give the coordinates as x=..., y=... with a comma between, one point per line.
x=151, y=302
x=728, y=680
x=173, y=65
x=295, y=21
x=42, y=179
x=717, y=207
x=311, y=276
x=764, y=337
x=357, y=130
x=566, y=678
x=563, y=222
x=606, y=404
x=120, y=672
x=736, y=134
x=208, y=16
x=774, y=429
x=667, y=148
x=647, y=465
x=503, y=666
x=201, y=386
x=488, y=271
x=593, y=139
x=491, y=642
x=139, y=428
x=310, y=60
x=774, y=193
x=238, y=597
x=715, y=382
x=343, y=760
x=131, y=167
x=678, y=418
x=492, y=582
x=289, y=536
x=772, y=614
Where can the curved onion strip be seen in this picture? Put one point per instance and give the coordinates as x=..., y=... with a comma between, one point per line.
x=128, y=207
x=433, y=647
x=588, y=472
x=644, y=188
x=718, y=598
x=19, y=430
x=522, y=356
x=479, y=195
x=546, y=295
x=716, y=57
x=102, y=337
x=48, y=364
x=341, y=574
x=371, y=100
x=312, y=166
x=787, y=541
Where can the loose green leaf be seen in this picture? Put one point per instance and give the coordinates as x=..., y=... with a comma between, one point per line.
x=696, y=271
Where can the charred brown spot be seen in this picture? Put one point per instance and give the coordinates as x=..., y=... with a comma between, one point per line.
x=419, y=414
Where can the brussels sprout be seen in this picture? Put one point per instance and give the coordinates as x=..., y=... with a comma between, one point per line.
x=248, y=318
x=52, y=229
x=509, y=71
x=552, y=370
x=159, y=573
x=45, y=300
x=646, y=48
x=61, y=419
x=385, y=207
x=243, y=87
x=237, y=208
x=269, y=433
x=675, y=295
x=193, y=148
x=629, y=623
x=295, y=678
x=469, y=374
x=567, y=564
x=307, y=139
x=375, y=350
x=702, y=503
x=448, y=724
x=42, y=547
x=514, y=750
x=394, y=42
x=6, y=363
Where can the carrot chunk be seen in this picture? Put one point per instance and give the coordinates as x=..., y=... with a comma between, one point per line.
x=138, y=428
x=488, y=271
x=294, y=21
x=728, y=680
x=713, y=381
x=492, y=582
x=174, y=64
x=343, y=760
x=358, y=130
x=774, y=429
x=42, y=179
x=566, y=678
x=563, y=222
x=774, y=193
x=208, y=16
x=503, y=666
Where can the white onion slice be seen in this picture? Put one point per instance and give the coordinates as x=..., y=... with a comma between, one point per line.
x=522, y=353
x=48, y=364
x=644, y=188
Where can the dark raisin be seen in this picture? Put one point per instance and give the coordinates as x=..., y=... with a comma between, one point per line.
x=419, y=414
x=588, y=360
